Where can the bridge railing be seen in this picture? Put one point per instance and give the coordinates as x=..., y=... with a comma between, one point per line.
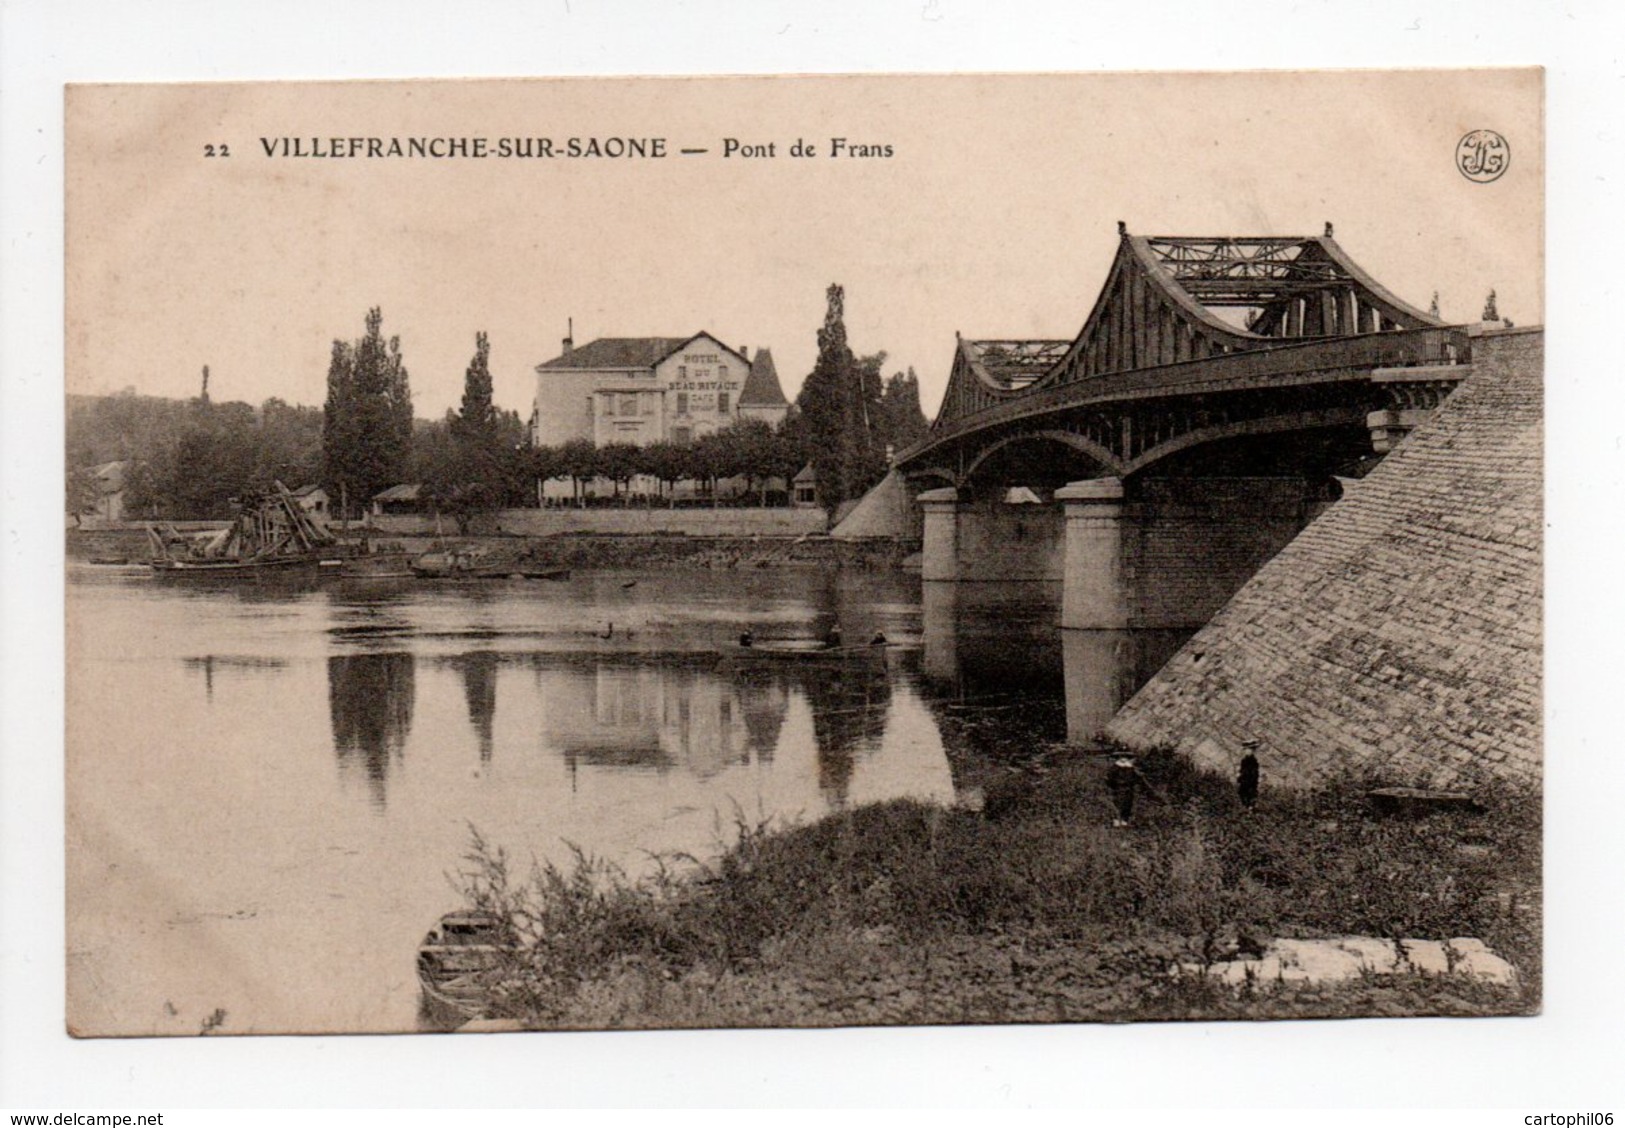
x=1237, y=371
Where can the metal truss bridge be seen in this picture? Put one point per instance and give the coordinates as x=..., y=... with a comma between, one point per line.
x=1196, y=340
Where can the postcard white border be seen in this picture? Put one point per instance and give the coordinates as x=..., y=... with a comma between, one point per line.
x=1559, y=1060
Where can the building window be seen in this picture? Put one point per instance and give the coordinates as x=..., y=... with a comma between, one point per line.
x=648, y=399
x=609, y=405
x=682, y=436
x=722, y=372
x=629, y=405
x=682, y=372
x=682, y=403
x=722, y=403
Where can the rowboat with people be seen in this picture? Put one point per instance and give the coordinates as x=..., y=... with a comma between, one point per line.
x=830, y=648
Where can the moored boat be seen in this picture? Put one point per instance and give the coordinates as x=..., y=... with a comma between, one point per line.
x=460, y=959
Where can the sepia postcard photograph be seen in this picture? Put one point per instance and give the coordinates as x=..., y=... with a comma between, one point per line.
x=824, y=551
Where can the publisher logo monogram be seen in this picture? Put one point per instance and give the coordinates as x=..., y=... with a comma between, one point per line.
x=1483, y=155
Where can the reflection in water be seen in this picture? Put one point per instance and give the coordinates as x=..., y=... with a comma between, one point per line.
x=849, y=701
x=1105, y=668
x=991, y=642
x=479, y=670
x=617, y=711
x=993, y=651
x=209, y=664
x=370, y=697
x=631, y=749
x=659, y=713
x=763, y=701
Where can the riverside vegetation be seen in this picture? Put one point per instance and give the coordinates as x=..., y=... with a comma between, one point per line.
x=1029, y=909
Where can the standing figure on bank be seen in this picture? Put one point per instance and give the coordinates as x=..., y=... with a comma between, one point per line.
x=1124, y=781
x=1247, y=776
x=832, y=638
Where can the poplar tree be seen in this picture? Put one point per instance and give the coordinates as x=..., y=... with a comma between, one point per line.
x=478, y=468
x=367, y=428
x=476, y=422
x=338, y=423
x=839, y=407
x=902, y=421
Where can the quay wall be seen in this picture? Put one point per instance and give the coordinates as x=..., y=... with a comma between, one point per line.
x=641, y=553
x=631, y=521
x=1399, y=636
x=592, y=551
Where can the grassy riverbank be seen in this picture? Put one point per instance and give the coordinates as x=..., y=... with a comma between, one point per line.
x=1031, y=909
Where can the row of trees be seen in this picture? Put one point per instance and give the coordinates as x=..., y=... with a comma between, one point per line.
x=750, y=449
x=193, y=459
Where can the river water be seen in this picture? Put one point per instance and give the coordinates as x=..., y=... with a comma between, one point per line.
x=270, y=788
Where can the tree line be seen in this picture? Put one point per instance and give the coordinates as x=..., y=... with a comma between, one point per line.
x=199, y=459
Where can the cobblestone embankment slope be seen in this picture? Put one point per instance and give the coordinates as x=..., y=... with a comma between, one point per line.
x=1400, y=634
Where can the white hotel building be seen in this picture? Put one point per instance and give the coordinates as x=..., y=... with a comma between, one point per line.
x=641, y=390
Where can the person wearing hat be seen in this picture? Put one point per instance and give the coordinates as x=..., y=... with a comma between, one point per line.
x=1247, y=776
x=1124, y=781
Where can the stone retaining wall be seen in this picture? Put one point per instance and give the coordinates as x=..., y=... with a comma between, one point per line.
x=698, y=522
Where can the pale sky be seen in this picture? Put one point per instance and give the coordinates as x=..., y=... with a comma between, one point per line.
x=995, y=215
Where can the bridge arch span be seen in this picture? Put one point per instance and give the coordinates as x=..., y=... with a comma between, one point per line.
x=1110, y=464
x=945, y=476
x=1246, y=428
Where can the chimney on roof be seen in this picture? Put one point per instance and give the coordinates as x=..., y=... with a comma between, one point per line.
x=1328, y=229
x=570, y=337
x=744, y=351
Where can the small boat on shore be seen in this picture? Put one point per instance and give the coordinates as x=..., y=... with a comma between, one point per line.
x=480, y=563
x=524, y=574
x=378, y=566
x=459, y=960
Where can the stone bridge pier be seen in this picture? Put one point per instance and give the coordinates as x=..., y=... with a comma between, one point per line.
x=1149, y=553
x=986, y=540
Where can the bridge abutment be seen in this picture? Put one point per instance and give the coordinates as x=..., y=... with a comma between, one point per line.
x=1191, y=543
